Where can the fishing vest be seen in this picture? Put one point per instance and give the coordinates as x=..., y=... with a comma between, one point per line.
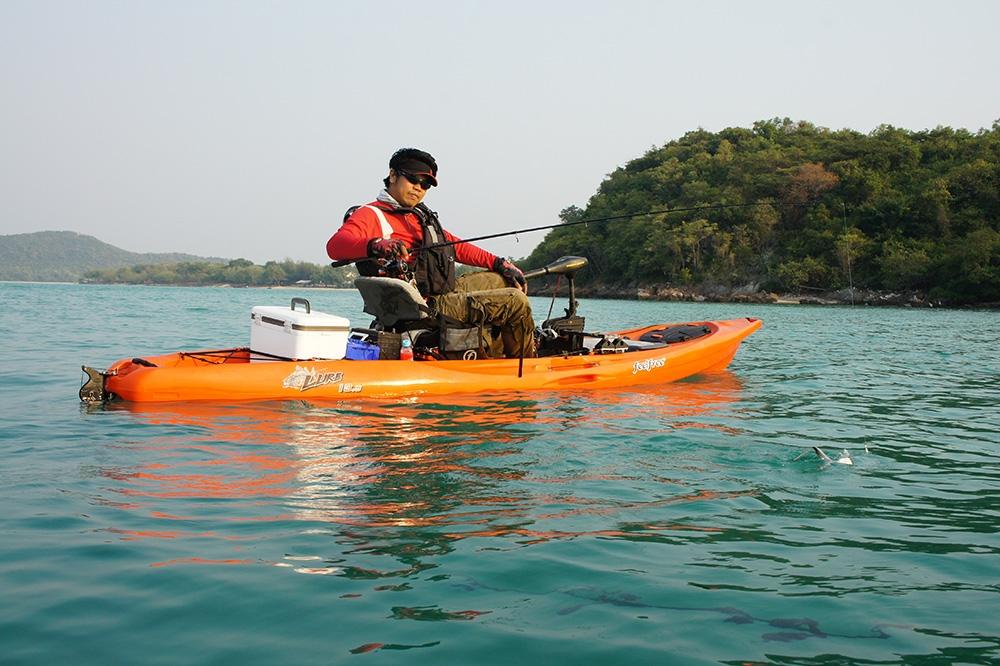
x=434, y=268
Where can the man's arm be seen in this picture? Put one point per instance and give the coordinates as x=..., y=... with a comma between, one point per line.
x=351, y=240
x=471, y=254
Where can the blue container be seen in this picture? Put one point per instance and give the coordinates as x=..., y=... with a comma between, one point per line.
x=361, y=350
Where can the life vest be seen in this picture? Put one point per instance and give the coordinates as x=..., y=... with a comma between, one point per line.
x=434, y=267
x=434, y=271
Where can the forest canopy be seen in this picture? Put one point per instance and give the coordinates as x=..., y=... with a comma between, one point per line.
x=889, y=210
x=239, y=272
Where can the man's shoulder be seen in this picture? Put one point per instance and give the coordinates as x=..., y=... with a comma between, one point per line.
x=372, y=204
x=363, y=211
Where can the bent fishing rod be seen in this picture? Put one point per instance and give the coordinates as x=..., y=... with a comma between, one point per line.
x=611, y=218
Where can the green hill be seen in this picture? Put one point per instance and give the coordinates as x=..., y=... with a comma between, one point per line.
x=57, y=256
x=893, y=210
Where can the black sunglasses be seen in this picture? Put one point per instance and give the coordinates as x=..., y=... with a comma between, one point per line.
x=423, y=181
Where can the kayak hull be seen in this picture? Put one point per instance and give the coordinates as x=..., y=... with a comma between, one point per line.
x=228, y=375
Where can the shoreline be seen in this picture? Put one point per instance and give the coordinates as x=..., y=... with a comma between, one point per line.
x=666, y=293
x=752, y=294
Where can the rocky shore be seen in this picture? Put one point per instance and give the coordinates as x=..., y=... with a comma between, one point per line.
x=753, y=294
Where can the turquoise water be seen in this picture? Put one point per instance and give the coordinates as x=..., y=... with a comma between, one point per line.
x=688, y=523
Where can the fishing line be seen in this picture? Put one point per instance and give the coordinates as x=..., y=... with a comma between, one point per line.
x=610, y=218
x=614, y=218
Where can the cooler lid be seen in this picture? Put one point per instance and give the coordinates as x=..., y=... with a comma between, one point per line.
x=300, y=320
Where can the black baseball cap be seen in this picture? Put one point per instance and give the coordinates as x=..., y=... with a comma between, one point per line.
x=415, y=162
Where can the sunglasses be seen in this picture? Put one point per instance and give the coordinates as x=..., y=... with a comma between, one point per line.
x=423, y=181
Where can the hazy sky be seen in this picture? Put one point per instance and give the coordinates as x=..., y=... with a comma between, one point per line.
x=244, y=128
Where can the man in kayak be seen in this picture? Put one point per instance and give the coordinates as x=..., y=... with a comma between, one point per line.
x=399, y=228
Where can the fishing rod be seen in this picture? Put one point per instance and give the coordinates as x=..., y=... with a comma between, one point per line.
x=611, y=218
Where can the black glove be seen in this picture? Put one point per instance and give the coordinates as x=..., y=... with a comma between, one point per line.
x=512, y=275
x=387, y=248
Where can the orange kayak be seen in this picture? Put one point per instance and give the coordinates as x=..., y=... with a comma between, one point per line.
x=229, y=375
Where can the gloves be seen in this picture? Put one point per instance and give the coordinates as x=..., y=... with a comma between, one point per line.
x=512, y=275
x=387, y=248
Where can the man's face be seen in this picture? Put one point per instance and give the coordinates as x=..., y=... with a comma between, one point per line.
x=404, y=190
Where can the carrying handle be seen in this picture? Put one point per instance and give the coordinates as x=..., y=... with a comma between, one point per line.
x=301, y=301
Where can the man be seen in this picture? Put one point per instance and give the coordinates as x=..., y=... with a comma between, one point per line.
x=398, y=226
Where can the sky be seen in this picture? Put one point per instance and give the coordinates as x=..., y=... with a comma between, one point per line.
x=245, y=128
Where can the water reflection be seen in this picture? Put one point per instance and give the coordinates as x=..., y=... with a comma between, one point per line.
x=408, y=480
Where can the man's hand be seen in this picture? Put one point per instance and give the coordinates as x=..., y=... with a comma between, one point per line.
x=388, y=248
x=511, y=274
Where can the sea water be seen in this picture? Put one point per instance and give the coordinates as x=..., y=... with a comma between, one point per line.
x=687, y=523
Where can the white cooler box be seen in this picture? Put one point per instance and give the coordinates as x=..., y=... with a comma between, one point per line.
x=298, y=334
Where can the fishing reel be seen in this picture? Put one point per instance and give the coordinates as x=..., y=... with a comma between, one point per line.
x=395, y=268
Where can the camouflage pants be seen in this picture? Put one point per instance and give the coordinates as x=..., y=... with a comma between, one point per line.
x=484, y=299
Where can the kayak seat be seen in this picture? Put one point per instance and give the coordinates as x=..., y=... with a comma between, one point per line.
x=399, y=308
x=392, y=301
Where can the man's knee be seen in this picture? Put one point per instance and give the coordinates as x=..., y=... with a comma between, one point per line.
x=507, y=304
x=499, y=307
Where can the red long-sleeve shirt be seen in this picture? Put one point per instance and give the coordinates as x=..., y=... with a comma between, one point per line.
x=351, y=240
